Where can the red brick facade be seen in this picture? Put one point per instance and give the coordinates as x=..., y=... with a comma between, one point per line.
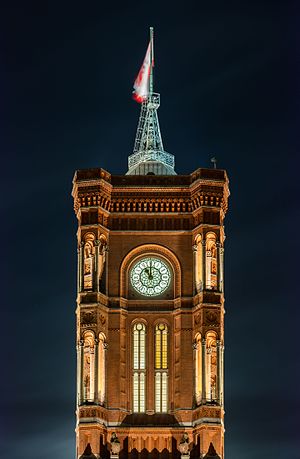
x=178, y=219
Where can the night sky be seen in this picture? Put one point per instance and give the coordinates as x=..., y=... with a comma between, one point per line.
x=227, y=74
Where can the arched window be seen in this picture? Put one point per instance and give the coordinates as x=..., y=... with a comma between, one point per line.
x=198, y=369
x=211, y=366
x=101, y=369
x=88, y=367
x=139, y=367
x=211, y=261
x=198, y=263
x=161, y=368
x=88, y=261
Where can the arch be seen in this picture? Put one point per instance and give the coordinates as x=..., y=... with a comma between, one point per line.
x=88, y=260
x=101, y=368
x=161, y=366
x=144, y=250
x=211, y=261
x=88, y=371
x=198, y=263
x=211, y=370
x=138, y=333
x=198, y=368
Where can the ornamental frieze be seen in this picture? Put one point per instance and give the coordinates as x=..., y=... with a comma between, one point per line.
x=92, y=412
x=207, y=412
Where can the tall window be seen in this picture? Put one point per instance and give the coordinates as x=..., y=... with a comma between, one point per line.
x=211, y=366
x=198, y=369
x=211, y=261
x=101, y=369
x=139, y=367
x=88, y=367
x=161, y=368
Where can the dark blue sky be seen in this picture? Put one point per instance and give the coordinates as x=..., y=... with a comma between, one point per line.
x=227, y=73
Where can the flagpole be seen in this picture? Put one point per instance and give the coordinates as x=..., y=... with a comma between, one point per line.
x=151, y=61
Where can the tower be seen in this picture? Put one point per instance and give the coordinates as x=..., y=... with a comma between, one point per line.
x=150, y=305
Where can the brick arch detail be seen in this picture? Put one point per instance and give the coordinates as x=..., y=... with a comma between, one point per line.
x=150, y=249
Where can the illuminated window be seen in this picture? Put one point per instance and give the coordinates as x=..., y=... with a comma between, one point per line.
x=88, y=367
x=101, y=369
x=139, y=367
x=198, y=369
x=211, y=261
x=198, y=263
x=161, y=368
x=88, y=261
x=211, y=366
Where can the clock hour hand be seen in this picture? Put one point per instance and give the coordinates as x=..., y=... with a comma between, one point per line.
x=150, y=276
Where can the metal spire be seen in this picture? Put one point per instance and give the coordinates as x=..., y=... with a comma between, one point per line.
x=148, y=155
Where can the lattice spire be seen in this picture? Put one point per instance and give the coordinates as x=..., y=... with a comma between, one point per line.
x=148, y=155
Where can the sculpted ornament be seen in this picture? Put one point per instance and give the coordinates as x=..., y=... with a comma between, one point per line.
x=211, y=318
x=184, y=444
x=197, y=318
x=88, y=318
x=102, y=255
x=115, y=443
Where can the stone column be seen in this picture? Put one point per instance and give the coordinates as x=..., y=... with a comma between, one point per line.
x=208, y=374
x=96, y=363
x=96, y=267
x=222, y=374
x=105, y=347
x=219, y=371
x=203, y=248
x=195, y=268
x=80, y=372
x=203, y=344
x=80, y=268
x=220, y=266
x=195, y=372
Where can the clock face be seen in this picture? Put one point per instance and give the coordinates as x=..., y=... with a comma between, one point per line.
x=150, y=276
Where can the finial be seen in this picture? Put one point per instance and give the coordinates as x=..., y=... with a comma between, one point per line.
x=214, y=161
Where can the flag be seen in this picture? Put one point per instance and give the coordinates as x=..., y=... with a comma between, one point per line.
x=141, y=84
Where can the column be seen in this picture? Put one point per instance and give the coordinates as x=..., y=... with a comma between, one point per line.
x=219, y=371
x=218, y=267
x=221, y=268
x=105, y=347
x=80, y=267
x=203, y=247
x=96, y=363
x=80, y=372
x=92, y=374
x=222, y=374
x=208, y=374
x=203, y=370
x=196, y=372
x=195, y=268
x=96, y=267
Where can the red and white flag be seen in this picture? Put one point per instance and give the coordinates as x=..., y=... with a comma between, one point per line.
x=141, y=84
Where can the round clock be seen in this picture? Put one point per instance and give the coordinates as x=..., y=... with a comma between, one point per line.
x=150, y=276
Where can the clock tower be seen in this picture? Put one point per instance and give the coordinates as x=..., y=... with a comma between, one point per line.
x=150, y=305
